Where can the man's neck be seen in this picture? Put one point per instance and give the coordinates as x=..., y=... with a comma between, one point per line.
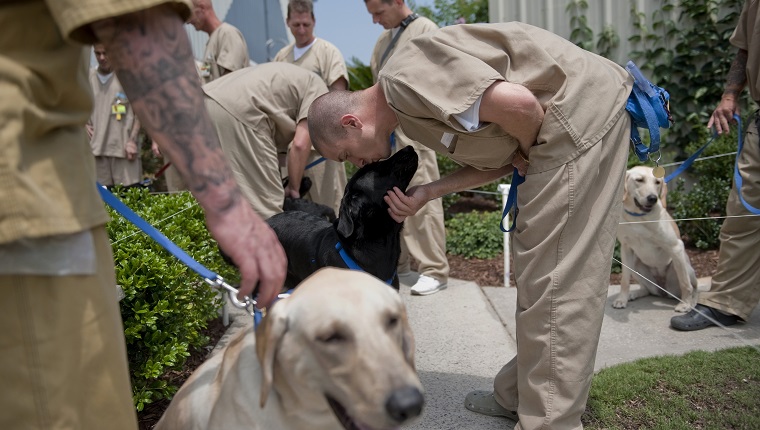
x=212, y=24
x=405, y=12
x=385, y=118
x=304, y=45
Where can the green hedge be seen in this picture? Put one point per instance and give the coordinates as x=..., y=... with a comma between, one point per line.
x=166, y=305
x=474, y=235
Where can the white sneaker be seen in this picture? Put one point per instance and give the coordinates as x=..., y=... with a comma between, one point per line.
x=427, y=285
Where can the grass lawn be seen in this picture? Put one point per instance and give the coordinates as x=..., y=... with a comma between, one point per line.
x=699, y=390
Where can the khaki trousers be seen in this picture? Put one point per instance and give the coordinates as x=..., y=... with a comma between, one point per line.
x=424, y=234
x=252, y=154
x=63, y=360
x=736, y=284
x=328, y=181
x=118, y=171
x=562, y=251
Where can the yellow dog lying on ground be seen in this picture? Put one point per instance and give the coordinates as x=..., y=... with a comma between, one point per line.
x=337, y=354
x=652, y=244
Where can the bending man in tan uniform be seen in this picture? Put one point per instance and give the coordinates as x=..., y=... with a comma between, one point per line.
x=424, y=234
x=490, y=96
x=323, y=58
x=113, y=127
x=735, y=288
x=64, y=363
x=258, y=113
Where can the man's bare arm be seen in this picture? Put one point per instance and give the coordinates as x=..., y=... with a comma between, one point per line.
x=402, y=205
x=729, y=105
x=151, y=54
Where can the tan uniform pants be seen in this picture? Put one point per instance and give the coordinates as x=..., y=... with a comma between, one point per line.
x=63, y=361
x=562, y=252
x=328, y=181
x=118, y=171
x=736, y=285
x=424, y=234
x=252, y=154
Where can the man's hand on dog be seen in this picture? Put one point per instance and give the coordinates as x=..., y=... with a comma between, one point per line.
x=402, y=205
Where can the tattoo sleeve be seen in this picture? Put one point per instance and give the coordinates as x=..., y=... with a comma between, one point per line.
x=737, y=75
x=151, y=54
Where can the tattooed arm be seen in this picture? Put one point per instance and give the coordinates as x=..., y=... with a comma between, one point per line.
x=151, y=54
x=735, y=83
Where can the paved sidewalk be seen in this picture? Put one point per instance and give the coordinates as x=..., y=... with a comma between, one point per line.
x=465, y=333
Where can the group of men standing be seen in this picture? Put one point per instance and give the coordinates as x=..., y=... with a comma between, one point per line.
x=260, y=114
x=496, y=98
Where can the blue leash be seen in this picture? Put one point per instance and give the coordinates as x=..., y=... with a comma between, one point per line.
x=737, y=176
x=209, y=276
x=353, y=265
x=689, y=161
x=512, y=201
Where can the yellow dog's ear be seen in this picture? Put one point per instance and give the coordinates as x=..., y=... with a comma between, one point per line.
x=663, y=194
x=269, y=333
x=407, y=343
x=625, y=186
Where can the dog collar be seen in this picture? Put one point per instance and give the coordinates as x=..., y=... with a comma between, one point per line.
x=633, y=213
x=351, y=264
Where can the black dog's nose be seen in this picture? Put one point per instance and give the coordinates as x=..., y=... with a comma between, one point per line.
x=404, y=404
x=651, y=199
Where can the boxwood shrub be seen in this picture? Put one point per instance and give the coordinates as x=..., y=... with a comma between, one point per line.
x=166, y=305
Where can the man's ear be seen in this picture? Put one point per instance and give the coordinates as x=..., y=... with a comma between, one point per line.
x=350, y=121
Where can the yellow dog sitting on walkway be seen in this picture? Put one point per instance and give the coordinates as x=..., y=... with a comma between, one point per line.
x=651, y=244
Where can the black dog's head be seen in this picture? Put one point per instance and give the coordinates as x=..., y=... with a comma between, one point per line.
x=363, y=211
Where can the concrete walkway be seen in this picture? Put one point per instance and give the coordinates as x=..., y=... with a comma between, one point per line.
x=464, y=334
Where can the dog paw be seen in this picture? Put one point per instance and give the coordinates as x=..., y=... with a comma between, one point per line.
x=619, y=304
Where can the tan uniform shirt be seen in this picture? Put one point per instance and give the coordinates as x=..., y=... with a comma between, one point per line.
x=47, y=173
x=415, y=28
x=225, y=48
x=273, y=96
x=323, y=58
x=581, y=93
x=746, y=34
x=110, y=130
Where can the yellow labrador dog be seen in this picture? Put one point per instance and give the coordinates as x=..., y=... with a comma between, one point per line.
x=653, y=249
x=337, y=354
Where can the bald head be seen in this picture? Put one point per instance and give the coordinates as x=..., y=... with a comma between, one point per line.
x=325, y=114
x=204, y=18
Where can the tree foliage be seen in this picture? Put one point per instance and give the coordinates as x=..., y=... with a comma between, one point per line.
x=449, y=12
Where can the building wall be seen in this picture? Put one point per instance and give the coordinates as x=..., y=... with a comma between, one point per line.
x=553, y=16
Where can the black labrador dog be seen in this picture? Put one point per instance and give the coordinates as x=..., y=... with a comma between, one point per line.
x=363, y=237
x=301, y=204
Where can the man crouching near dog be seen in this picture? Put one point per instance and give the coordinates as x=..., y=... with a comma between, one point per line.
x=490, y=97
x=257, y=113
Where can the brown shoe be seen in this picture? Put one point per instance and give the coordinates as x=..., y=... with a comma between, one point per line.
x=484, y=403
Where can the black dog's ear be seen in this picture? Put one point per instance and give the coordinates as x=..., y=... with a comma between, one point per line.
x=345, y=224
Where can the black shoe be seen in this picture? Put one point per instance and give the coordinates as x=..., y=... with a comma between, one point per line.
x=695, y=320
